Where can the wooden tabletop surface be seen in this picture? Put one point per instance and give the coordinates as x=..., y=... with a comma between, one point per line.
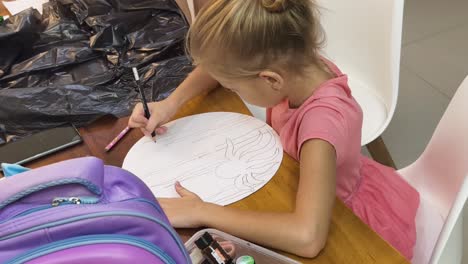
x=350, y=240
x=3, y=10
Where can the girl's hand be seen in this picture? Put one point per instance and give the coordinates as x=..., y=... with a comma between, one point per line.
x=161, y=113
x=184, y=212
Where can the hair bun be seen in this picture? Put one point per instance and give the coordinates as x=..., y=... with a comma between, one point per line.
x=275, y=6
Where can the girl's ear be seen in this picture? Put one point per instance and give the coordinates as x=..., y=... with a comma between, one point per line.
x=273, y=79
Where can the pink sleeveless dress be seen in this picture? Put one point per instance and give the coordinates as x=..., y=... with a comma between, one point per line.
x=376, y=193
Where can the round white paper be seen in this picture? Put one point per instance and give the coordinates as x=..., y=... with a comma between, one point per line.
x=223, y=157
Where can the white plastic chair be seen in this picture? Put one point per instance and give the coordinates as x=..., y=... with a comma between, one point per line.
x=440, y=175
x=364, y=40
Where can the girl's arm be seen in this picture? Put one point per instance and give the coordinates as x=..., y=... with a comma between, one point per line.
x=303, y=231
x=197, y=81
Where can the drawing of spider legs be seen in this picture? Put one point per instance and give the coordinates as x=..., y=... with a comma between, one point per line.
x=262, y=148
x=175, y=165
x=181, y=177
x=253, y=176
x=188, y=174
x=244, y=141
x=201, y=134
x=226, y=194
x=231, y=195
x=251, y=161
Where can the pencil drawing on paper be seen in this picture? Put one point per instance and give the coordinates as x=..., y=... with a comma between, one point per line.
x=223, y=157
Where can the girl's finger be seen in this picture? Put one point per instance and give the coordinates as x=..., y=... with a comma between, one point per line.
x=161, y=130
x=182, y=191
x=139, y=119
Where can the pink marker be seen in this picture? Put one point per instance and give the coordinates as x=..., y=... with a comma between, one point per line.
x=117, y=138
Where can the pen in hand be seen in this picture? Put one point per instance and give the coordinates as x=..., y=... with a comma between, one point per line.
x=143, y=98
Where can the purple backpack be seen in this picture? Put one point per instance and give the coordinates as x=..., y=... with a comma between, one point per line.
x=80, y=211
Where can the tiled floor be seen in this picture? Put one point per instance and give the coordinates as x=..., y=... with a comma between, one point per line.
x=434, y=62
x=426, y=18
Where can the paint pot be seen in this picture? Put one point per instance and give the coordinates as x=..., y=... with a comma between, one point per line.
x=212, y=250
x=245, y=260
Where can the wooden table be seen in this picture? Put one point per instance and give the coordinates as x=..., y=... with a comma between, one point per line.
x=3, y=10
x=350, y=240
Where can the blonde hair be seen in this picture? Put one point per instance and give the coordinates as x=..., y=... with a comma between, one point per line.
x=241, y=38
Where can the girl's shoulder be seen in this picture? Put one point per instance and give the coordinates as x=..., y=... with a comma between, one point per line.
x=334, y=94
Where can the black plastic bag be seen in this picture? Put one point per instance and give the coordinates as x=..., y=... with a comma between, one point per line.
x=28, y=110
x=161, y=79
x=73, y=63
x=55, y=58
x=16, y=35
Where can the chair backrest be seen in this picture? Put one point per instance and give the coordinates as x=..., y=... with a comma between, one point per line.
x=443, y=165
x=364, y=39
x=441, y=172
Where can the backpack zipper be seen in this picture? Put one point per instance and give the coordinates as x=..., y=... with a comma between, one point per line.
x=56, y=202
x=89, y=185
x=74, y=200
x=84, y=200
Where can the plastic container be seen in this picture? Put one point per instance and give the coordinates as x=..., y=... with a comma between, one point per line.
x=242, y=248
